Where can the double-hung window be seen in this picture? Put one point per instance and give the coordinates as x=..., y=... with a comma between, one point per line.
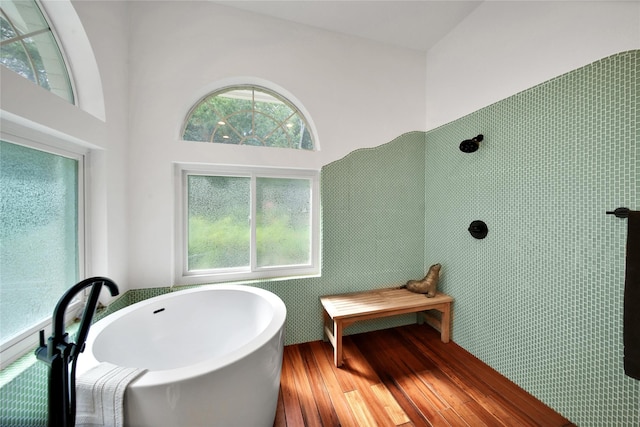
x=239, y=223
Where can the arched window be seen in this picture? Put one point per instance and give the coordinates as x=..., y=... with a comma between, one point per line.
x=29, y=48
x=248, y=115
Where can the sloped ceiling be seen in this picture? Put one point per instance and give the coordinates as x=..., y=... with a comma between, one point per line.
x=417, y=24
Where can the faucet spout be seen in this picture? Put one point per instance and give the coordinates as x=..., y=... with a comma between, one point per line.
x=67, y=297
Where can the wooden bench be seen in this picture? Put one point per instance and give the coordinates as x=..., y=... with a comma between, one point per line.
x=344, y=309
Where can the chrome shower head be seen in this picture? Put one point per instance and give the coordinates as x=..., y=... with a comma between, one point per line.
x=471, y=145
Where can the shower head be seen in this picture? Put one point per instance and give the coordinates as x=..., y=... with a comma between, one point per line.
x=470, y=145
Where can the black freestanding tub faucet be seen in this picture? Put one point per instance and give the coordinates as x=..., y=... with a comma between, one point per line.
x=62, y=355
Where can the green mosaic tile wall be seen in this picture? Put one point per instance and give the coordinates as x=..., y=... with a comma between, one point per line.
x=540, y=299
x=372, y=233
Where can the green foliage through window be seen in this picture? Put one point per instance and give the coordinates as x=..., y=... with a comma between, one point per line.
x=219, y=222
x=248, y=115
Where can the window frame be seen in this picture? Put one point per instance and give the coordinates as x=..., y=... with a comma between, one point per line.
x=253, y=272
x=21, y=343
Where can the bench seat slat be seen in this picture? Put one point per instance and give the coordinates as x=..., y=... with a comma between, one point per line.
x=347, y=305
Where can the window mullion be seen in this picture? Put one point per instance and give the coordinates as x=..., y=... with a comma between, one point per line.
x=184, y=220
x=21, y=37
x=252, y=224
x=253, y=113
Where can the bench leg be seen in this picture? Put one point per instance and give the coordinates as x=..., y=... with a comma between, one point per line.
x=445, y=324
x=337, y=348
x=326, y=321
x=334, y=337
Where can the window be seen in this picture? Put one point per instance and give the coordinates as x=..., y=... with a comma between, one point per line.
x=40, y=238
x=29, y=48
x=248, y=115
x=239, y=223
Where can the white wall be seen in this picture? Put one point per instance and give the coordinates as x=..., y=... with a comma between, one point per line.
x=358, y=94
x=106, y=25
x=503, y=48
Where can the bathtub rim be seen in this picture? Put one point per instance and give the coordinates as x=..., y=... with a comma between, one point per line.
x=86, y=360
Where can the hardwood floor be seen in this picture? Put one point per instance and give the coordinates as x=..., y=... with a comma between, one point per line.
x=401, y=377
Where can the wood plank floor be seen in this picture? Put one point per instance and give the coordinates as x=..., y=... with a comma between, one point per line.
x=401, y=377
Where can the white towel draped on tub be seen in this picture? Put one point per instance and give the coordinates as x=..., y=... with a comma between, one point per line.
x=100, y=395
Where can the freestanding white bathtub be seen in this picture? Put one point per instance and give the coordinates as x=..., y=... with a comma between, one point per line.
x=213, y=356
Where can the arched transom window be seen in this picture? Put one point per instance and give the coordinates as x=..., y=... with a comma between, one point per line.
x=248, y=115
x=29, y=48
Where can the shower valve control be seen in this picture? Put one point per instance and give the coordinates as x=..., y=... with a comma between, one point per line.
x=478, y=229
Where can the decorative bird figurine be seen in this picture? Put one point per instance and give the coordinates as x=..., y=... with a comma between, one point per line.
x=428, y=285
